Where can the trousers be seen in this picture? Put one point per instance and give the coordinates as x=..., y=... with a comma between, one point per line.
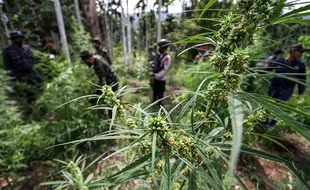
x=158, y=90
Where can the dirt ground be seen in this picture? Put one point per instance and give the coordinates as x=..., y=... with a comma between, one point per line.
x=272, y=175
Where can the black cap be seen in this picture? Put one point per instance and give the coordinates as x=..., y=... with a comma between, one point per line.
x=299, y=47
x=85, y=55
x=15, y=34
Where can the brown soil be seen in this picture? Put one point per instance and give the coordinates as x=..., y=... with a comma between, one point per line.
x=36, y=174
x=271, y=175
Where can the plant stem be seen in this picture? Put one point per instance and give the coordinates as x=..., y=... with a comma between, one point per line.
x=183, y=183
x=209, y=108
x=208, y=111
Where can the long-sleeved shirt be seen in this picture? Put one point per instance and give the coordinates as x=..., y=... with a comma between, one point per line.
x=19, y=63
x=105, y=73
x=165, y=63
x=282, y=88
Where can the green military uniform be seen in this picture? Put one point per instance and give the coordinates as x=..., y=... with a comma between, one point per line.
x=103, y=53
x=105, y=73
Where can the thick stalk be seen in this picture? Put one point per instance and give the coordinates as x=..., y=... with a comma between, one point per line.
x=208, y=111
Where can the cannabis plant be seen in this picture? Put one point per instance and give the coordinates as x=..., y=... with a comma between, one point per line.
x=196, y=144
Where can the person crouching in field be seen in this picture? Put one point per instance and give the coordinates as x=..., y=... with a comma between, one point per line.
x=103, y=70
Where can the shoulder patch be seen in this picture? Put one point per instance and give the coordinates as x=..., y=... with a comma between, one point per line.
x=167, y=59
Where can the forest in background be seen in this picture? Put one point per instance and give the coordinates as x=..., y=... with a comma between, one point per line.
x=208, y=133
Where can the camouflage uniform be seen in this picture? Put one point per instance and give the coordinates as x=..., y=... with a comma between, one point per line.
x=103, y=53
x=105, y=73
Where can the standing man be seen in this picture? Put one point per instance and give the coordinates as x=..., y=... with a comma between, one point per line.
x=282, y=88
x=161, y=66
x=19, y=63
x=101, y=51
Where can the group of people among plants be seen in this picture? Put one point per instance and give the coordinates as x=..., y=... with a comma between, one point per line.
x=19, y=64
x=102, y=67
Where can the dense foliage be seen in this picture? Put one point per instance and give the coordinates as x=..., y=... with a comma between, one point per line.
x=214, y=116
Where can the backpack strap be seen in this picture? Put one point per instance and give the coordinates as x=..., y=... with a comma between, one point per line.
x=159, y=66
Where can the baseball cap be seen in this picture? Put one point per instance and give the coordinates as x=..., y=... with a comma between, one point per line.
x=299, y=47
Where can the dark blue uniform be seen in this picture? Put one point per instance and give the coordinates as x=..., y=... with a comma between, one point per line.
x=19, y=63
x=282, y=88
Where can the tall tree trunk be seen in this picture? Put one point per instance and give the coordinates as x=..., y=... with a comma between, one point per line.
x=61, y=28
x=112, y=33
x=129, y=37
x=91, y=15
x=5, y=26
x=77, y=12
x=147, y=32
x=159, y=21
x=146, y=12
x=183, y=14
x=124, y=37
x=108, y=39
x=112, y=30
